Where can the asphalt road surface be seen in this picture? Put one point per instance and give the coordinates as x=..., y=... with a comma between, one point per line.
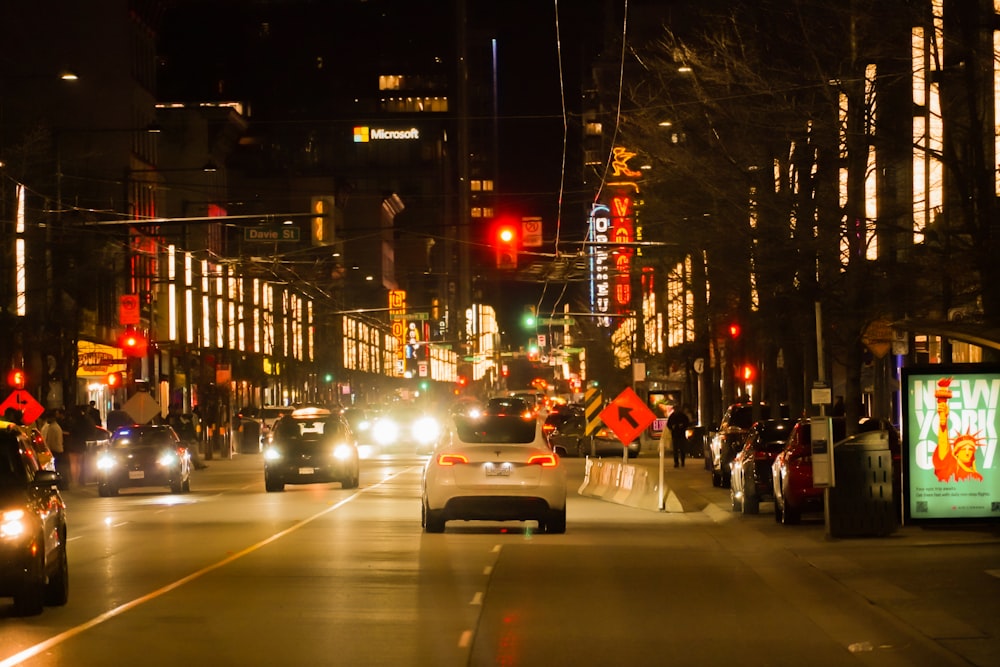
x=318, y=575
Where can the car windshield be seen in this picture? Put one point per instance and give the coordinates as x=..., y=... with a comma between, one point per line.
x=308, y=429
x=495, y=429
x=133, y=438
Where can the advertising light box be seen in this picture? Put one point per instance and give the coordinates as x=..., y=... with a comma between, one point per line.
x=950, y=429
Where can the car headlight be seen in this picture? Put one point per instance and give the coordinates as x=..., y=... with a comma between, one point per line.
x=385, y=432
x=272, y=454
x=343, y=452
x=106, y=462
x=426, y=430
x=167, y=459
x=13, y=524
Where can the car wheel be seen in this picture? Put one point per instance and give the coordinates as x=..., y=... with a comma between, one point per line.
x=727, y=479
x=176, y=485
x=777, y=510
x=29, y=599
x=104, y=490
x=352, y=481
x=751, y=503
x=57, y=589
x=580, y=451
x=555, y=523
x=734, y=503
x=271, y=484
x=716, y=478
x=433, y=521
x=186, y=486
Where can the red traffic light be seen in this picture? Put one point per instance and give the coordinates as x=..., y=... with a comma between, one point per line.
x=114, y=380
x=16, y=378
x=506, y=242
x=748, y=372
x=132, y=344
x=734, y=330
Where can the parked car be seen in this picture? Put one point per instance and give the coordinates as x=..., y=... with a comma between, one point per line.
x=142, y=456
x=751, y=481
x=34, y=569
x=792, y=473
x=731, y=436
x=494, y=468
x=572, y=436
x=309, y=446
x=406, y=428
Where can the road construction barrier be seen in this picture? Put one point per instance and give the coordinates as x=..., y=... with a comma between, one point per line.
x=624, y=484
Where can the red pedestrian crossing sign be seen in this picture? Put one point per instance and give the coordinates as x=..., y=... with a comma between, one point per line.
x=24, y=403
x=627, y=416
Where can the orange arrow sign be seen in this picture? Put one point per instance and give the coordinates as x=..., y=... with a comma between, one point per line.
x=25, y=403
x=627, y=415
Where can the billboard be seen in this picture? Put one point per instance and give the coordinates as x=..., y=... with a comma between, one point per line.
x=950, y=470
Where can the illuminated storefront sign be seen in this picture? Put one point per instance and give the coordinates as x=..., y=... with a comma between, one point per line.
x=364, y=134
x=600, y=285
x=950, y=441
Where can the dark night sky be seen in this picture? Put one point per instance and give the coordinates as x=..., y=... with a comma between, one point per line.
x=212, y=46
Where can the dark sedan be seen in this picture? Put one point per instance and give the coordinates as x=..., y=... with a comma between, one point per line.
x=141, y=456
x=312, y=445
x=572, y=436
x=750, y=482
x=33, y=564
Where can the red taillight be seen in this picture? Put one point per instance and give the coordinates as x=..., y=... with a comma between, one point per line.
x=762, y=456
x=451, y=459
x=544, y=460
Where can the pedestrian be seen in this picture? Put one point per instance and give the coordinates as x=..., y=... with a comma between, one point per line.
x=94, y=413
x=52, y=436
x=677, y=424
x=79, y=429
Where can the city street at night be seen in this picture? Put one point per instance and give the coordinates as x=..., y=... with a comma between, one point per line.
x=230, y=575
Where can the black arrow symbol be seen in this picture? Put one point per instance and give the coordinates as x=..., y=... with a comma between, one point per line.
x=625, y=414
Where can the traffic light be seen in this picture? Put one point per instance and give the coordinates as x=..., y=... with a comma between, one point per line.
x=734, y=330
x=747, y=372
x=528, y=320
x=113, y=380
x=132, y=344
x=505, y=244
x=16, y=378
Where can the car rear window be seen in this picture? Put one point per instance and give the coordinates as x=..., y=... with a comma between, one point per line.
x=498, y=429
x=308, y=429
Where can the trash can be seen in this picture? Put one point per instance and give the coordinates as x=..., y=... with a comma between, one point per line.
x=861, y=503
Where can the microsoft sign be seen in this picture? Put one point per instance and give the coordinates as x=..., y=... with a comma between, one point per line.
x=364, y=134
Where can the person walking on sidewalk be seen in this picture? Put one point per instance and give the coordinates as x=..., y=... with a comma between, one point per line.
x=678, y=423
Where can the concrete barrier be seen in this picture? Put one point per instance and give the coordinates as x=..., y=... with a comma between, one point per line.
x=625, y=484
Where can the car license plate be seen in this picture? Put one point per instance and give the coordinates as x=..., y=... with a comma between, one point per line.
x=306, y=471
x=498, y=470
x=136, y=474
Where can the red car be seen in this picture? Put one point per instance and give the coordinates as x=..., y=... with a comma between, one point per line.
x=792, y=474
